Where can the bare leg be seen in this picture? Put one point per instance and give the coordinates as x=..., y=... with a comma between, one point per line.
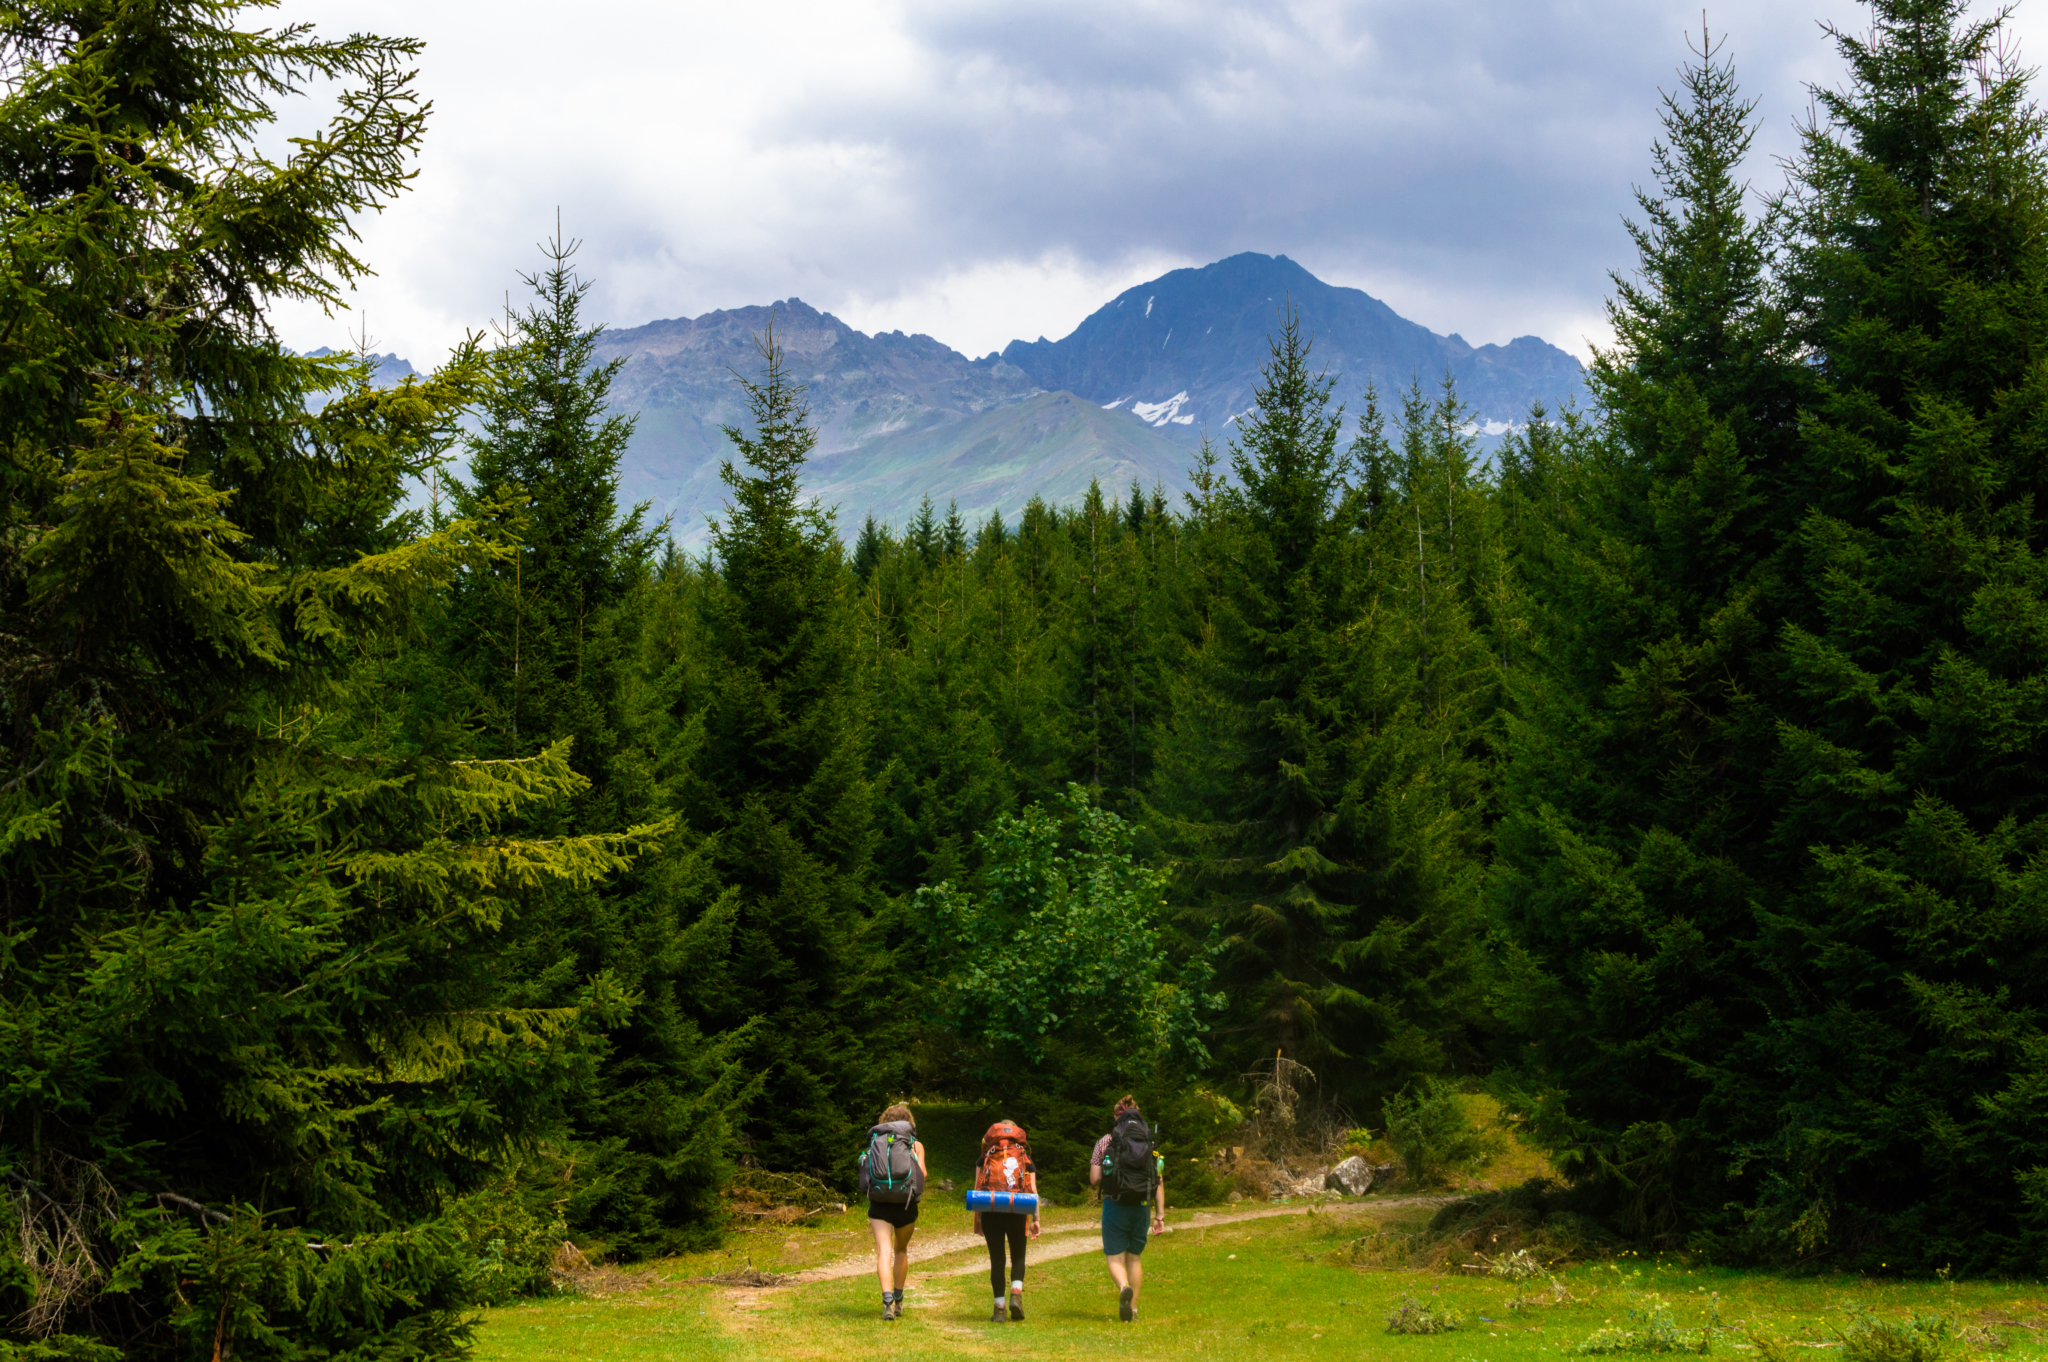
x=885, y=1253
x=1117, y=1273
x=901, y=1244
x=1135, y=1266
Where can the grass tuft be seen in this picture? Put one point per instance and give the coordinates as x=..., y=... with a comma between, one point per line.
x=1649, y=1328
x=1918, y=1338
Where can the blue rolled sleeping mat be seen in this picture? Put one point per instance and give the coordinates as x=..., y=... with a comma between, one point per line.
x=1027, y=1202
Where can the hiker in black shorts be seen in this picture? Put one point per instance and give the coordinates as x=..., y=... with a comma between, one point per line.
x=894, y=1183
x=1006, y=1171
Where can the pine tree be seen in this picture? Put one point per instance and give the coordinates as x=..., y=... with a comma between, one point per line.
x=545, y=464
x=780, y=783
x=1262, y=790
x=547, y=641
x=257, y=1071
x=1900, y=956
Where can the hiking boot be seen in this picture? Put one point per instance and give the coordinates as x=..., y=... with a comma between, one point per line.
x=1124, y=1311
x=999, y=1316
x=891, y=1307
x=1016, y=1305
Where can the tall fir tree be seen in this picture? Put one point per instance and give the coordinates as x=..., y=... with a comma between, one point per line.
x=780, y=783
x=1900, y=943
x=1259, y=790
x=257, y=1068
x=547, y=645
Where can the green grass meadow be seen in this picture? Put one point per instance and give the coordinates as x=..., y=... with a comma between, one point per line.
x=1259, y=1289
x=1279, y=1287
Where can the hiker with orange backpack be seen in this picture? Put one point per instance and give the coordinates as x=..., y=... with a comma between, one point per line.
x=1005, y=1206
x=1127, y=1167
x=892, y=1179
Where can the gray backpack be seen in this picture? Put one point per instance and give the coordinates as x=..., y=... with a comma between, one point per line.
x=889, y=1174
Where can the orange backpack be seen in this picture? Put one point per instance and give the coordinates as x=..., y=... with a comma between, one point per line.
x=1005, y=1161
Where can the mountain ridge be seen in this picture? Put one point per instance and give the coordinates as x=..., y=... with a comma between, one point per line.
x=902, y=416
x=1125, y=353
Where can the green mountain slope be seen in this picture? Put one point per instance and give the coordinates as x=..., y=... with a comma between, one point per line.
x=1050, y=445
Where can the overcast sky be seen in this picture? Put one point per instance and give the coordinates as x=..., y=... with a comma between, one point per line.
x=987, y=171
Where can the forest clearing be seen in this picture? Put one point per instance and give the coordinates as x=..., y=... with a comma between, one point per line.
x=1618, y=854
x=1249, y=1281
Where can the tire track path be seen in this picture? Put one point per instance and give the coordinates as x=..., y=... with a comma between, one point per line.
x=1071, y=1240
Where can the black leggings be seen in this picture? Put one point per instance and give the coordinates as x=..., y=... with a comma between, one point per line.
x=996, y=1226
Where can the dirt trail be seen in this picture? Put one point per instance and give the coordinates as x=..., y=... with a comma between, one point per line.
x=1069, y=1240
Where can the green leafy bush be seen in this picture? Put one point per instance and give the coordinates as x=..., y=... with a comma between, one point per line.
x=1069, y=931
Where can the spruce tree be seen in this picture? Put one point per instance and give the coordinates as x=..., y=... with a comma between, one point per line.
x=546, y=644
x=1263, y=790
x=1775, y=948
x=545, y=465
x=780, y=784
x=1900, y=951
x=953, y=538
x=924, y=536
x=868, y=549
x=1636, y=740
x=257, y=1071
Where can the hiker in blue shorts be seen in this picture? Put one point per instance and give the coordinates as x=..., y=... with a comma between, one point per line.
x=1132, y=1176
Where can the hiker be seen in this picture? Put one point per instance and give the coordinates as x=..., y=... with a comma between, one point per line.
x=1132, y=1176
x=1005, y=1178
x=892, y=1178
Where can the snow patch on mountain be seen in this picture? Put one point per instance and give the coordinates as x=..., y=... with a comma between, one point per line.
x=1163, y=413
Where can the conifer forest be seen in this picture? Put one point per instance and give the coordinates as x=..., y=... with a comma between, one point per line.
x=409, y=858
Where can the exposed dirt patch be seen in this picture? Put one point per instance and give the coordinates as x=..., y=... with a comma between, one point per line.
x=747, y=1276
x=603, y=1280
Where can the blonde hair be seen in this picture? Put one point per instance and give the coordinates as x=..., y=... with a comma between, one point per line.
x=897, y=1112
x=1124, y=1104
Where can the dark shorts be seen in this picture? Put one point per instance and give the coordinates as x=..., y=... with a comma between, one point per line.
x=1125, y=1228
x=890, y=1214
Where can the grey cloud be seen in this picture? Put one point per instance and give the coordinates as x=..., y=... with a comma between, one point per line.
x=1468, y=161
x=1487, y=145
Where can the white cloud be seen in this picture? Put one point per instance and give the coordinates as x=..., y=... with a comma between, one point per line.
x=986, y=305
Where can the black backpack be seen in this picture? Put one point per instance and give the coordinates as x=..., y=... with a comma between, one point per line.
x=889, y=1174
x=1130, y=1170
